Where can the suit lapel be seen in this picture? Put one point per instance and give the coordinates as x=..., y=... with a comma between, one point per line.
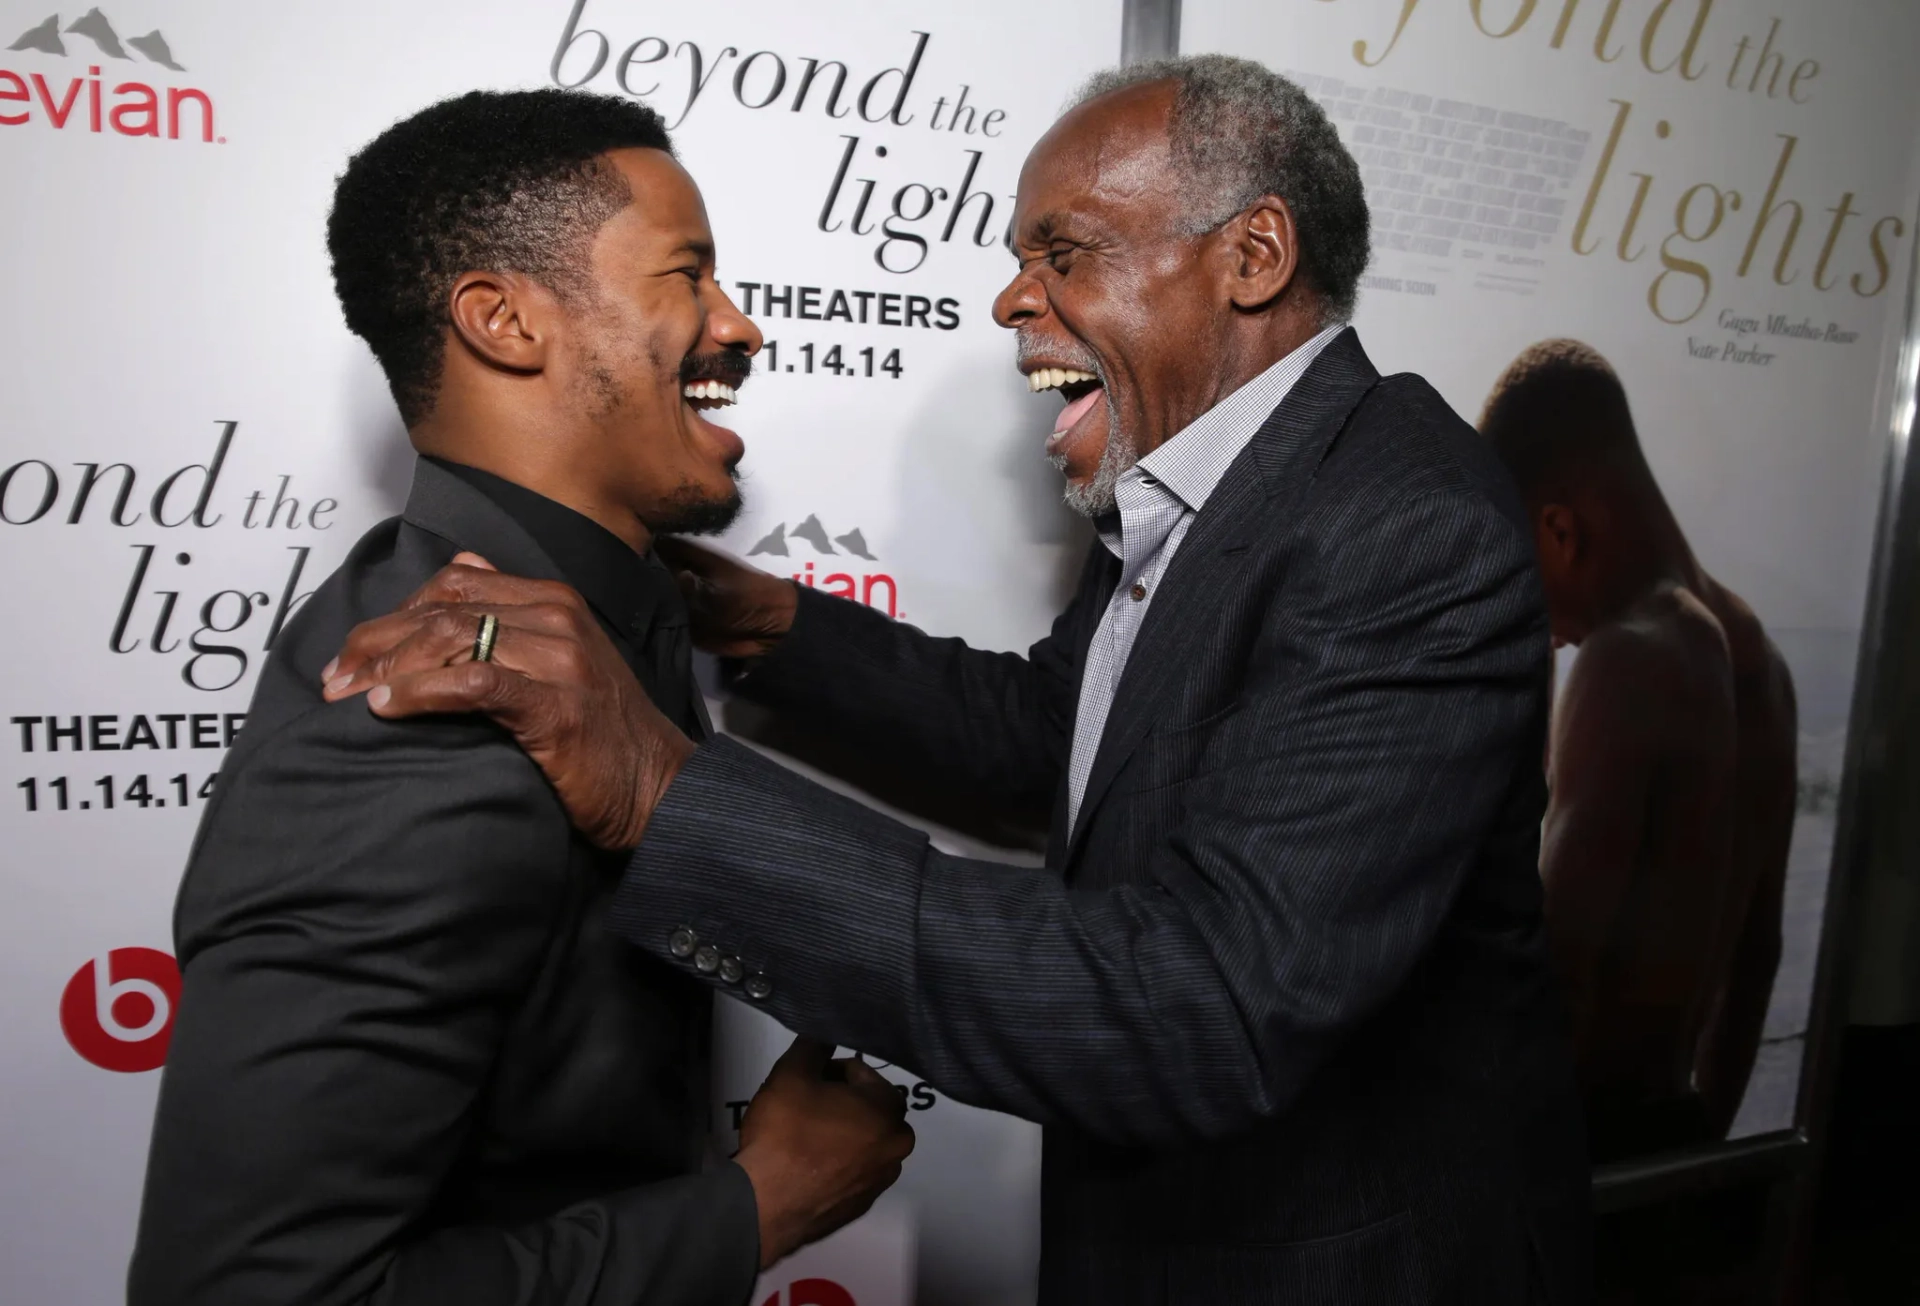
x=1097, y=579
x=1258, y=488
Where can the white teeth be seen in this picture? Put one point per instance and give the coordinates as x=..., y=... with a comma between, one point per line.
x=1052, y=378
x=710, y=390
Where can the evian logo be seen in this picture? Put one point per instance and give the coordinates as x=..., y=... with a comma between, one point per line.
x=867, y=587
x=136, y=109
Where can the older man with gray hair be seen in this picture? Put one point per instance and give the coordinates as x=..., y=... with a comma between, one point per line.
x=1280, y=994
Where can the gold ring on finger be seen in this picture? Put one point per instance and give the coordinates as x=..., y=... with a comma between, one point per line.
x=483, y=642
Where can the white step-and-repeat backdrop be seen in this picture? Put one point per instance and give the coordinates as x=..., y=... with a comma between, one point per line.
x=1719, y=197
x=190, y=440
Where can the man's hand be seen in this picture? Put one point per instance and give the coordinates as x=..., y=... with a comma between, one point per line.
x=555, y=681
x=821, y=1140
x=737, y=611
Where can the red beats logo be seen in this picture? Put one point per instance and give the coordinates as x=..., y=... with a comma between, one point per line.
x=812, y=1292
x=117, y=1010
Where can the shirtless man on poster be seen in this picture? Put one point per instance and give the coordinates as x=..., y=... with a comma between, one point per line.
x=1672, y=768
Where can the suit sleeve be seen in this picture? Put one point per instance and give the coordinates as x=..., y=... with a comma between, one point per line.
x=1392, y=699
x=998, y=722
x=367, y=903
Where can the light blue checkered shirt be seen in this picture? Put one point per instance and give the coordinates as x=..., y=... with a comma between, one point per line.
x=1158, y=499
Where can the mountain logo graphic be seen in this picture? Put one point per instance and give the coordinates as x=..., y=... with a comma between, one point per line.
x=843, y=578
x=45, y=37
x=113, y=91
x=811, y=530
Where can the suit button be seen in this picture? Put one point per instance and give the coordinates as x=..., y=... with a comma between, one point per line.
x=682, y=942
x=759, y=987
x=706, y=959
x=731, y=970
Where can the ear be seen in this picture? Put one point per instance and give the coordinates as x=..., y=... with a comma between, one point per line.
x=1559, y=536
x=1264, y=251
x=504, y=318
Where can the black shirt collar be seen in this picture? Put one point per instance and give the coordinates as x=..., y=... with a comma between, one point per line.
x=632, y=593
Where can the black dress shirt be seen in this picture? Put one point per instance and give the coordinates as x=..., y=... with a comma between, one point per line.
x=411, y=1065
x=634, y=595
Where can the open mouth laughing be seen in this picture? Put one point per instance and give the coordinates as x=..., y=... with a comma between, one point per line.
x=1082, y=391
x=705, y=396
x=710, y=382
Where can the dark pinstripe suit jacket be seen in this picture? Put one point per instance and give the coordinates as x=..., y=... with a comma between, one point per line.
x=1280, y=998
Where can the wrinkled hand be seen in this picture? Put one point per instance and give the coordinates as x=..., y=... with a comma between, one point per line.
x=820, y=1141
x=736, y=611
x=555, y=682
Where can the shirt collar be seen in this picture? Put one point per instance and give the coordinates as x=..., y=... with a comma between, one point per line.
x=633, y=593
x=1193, y=461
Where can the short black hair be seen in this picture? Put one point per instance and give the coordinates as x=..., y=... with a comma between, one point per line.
x=1559, y=407
x=500, y=181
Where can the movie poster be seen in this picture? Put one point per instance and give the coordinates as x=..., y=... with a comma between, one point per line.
x=1658, y=250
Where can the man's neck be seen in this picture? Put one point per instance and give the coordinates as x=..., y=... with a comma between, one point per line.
x=1646, y=549
x=1251, y=348
x=532, y=464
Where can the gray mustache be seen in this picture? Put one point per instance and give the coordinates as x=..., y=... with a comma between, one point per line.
x=1027, y=349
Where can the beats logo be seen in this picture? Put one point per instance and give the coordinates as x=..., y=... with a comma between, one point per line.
x=117, y=1010
x=812, y=1292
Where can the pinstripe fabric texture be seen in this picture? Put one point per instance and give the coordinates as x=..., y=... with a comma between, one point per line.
x=1157, y=499
x=1280, y=994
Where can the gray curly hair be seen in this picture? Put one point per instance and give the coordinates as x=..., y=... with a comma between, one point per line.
x=1240, y=132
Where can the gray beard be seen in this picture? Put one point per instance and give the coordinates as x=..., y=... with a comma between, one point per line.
x=1097, y=497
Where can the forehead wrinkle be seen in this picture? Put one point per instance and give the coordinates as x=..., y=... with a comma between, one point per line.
x=1128, y=166
x=1102, y=163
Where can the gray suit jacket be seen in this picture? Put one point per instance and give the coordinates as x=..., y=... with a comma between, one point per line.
x=1281, y=996
x=411, y=1065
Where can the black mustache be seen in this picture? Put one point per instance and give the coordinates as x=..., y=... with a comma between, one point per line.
x=730, y=367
